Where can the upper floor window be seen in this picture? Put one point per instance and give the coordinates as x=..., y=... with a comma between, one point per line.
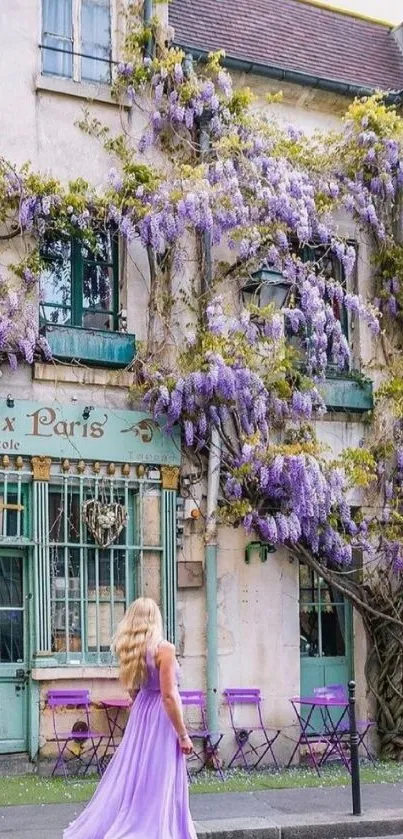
x=76, y=39
x=80, y=287
x=268, y=286
x=331, y=266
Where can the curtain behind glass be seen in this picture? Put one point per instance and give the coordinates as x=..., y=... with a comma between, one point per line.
x=340, y=606
x=11, y=612
x=96, y=39
x=58, y=33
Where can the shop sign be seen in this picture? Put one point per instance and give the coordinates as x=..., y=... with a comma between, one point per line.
x=74, y=432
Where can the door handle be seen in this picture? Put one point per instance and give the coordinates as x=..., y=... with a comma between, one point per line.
x=22, y=675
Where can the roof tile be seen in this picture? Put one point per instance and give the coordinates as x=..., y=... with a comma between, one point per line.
x=293, y=35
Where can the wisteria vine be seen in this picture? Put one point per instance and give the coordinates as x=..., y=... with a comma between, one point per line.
x=269, y=195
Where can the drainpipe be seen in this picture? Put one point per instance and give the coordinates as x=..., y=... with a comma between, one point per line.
x=213, y=483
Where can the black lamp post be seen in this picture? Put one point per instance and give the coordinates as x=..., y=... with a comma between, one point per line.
x=266, y=286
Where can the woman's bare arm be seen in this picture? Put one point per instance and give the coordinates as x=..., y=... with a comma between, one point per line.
x=133, y=693
x=166, y=661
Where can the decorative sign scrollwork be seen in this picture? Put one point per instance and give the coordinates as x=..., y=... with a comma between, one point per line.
x=144, y=429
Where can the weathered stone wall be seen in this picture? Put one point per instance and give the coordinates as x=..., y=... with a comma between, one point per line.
x=258, y=603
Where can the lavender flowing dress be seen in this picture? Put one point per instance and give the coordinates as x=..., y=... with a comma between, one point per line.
x=144, y=792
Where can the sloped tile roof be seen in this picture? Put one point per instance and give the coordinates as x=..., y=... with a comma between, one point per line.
x=293, y=35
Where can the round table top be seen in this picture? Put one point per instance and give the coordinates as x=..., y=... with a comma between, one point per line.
x=116, y=703
x=338, y=701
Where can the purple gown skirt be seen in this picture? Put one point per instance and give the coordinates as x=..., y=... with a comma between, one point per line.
x=144, y=791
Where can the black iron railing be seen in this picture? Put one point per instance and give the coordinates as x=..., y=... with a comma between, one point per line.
x=108, y=61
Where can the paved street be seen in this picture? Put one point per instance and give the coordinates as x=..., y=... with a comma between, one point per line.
x=270, y=814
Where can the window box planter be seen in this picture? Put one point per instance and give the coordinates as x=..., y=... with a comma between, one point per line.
x=344, y=393
x=93, y=346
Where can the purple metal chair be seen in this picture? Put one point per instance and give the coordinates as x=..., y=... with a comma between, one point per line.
x=206, y=742
x=343, y=727
x=243, y=734
x=79, y=744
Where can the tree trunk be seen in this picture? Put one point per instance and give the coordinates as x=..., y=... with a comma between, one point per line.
x=384, y=671
x=159, y=307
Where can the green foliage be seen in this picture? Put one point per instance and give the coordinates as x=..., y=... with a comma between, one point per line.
x=378, y=117
x=32, y=262
x=388, y=262
x=360, y=466
x=391, y=391
x=240, y=101
x=263, y=358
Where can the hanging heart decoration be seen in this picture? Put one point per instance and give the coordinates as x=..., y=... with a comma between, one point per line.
x=104, y=521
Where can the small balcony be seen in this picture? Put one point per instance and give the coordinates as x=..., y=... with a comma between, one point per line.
x=346, y=393
x=92, y=346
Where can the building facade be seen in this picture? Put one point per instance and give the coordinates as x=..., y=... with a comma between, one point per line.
x=96, y=504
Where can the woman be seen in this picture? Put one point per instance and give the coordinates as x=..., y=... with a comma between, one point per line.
x=143, y=793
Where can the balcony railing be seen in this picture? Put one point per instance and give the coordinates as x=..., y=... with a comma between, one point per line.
x=346, y=393
x=93, y=346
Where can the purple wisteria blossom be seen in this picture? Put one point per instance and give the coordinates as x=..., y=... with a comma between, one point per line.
x=295, y=494
x=19, y=337
x=255, y=196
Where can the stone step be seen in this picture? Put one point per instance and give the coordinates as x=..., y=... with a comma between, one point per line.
x=16, y=764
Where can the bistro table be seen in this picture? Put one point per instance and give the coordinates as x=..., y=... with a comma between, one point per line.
x=113, y=708
x=331, y=730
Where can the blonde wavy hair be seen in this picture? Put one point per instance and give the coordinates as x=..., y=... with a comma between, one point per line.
x=140, y=630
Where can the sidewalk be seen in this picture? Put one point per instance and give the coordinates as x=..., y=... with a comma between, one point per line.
x=321, y=813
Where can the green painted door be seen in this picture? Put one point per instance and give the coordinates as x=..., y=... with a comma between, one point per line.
x=325, y=634
x=13, y=652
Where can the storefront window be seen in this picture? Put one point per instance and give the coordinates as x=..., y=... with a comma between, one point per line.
x=90, y=585
x=322, y=617
x=92, y=541
x=11, y=610
x=12, y=511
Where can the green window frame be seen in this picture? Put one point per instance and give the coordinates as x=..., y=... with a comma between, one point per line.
x=59, y=545
x=321, y=253
x=79, y=287
x=90, y=586
x=14, y=509
x=323, y=617
x=13, y=612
